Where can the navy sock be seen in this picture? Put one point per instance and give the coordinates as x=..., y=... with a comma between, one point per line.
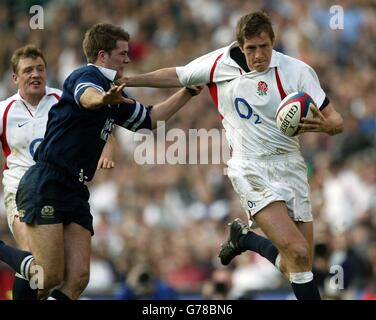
x=18, y=260
x=58, y=295
x=254, y=242
x=306, y=291
x=22, y=290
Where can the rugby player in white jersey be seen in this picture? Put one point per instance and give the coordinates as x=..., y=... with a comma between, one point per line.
x=23, y=119
x=247, y=81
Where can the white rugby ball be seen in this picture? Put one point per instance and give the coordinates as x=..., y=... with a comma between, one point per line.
x=291, y=110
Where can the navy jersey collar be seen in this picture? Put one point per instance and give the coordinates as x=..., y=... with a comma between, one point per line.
x=108, y=73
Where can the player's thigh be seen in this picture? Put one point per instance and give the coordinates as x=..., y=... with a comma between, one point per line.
x=77, y=246
x=306, y=228
x=47, y=245
x=249, y=182
x=275, y=222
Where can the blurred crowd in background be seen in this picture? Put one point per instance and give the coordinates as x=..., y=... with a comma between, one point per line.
x=159, y=226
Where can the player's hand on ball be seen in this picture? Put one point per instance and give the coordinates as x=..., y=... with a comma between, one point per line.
x=316, y=123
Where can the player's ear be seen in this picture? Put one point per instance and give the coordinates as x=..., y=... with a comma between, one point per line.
x=102, y=55
x=273, y=41
x=15, y=78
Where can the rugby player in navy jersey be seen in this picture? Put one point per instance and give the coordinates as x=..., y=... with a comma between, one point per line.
x=23, y=121
x=52, y=197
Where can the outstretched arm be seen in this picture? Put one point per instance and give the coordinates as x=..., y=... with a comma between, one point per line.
x=328, y=121
x=162, y=78
x=164, y=110
x=93, y=98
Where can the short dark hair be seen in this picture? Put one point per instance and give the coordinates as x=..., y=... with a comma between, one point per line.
x=102, y=36
x=253, y=24
x=28, y=51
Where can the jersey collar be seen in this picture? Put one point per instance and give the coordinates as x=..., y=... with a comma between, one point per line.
x=17, y=96
x=227, y=59
x=108, y=73
x=274, y=61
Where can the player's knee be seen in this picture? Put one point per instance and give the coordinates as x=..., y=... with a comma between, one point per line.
x=299, y=254
x=296, y=252
x=78, y=283
x=51, y=280
x=83, y=281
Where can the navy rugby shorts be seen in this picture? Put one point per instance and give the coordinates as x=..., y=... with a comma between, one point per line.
x=48, y=195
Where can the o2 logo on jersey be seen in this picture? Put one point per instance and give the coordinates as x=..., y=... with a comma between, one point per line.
x=34, y=145
x=245, y=111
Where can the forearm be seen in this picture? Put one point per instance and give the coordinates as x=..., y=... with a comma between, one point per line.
x=334, y=124
x=109, y=148
x=106, y=161
x=162, y=78
x=328, y=121
x=92, y=99
x=163, y=111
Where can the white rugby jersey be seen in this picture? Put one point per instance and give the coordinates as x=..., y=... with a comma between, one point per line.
x=22, y=129
x=247, y=101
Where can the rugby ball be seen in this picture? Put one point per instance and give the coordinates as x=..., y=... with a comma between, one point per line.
x=291, y=110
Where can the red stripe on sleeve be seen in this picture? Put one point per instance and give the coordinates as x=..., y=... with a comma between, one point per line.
x=3, y=138
x=279, y=84
x=212, y=86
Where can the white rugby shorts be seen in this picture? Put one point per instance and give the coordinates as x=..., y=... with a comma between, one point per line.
x=11, y=208
x=259, y=182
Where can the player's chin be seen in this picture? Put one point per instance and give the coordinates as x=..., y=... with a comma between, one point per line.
x=119, y=73
x=37, y=89
x=118, y=76
x=260, y=67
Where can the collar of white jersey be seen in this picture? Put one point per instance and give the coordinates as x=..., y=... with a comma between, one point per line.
x=274, y=61
x=17, y=96
x=108, y=73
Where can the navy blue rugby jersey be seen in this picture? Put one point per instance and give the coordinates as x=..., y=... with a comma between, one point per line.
x=75, y=136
